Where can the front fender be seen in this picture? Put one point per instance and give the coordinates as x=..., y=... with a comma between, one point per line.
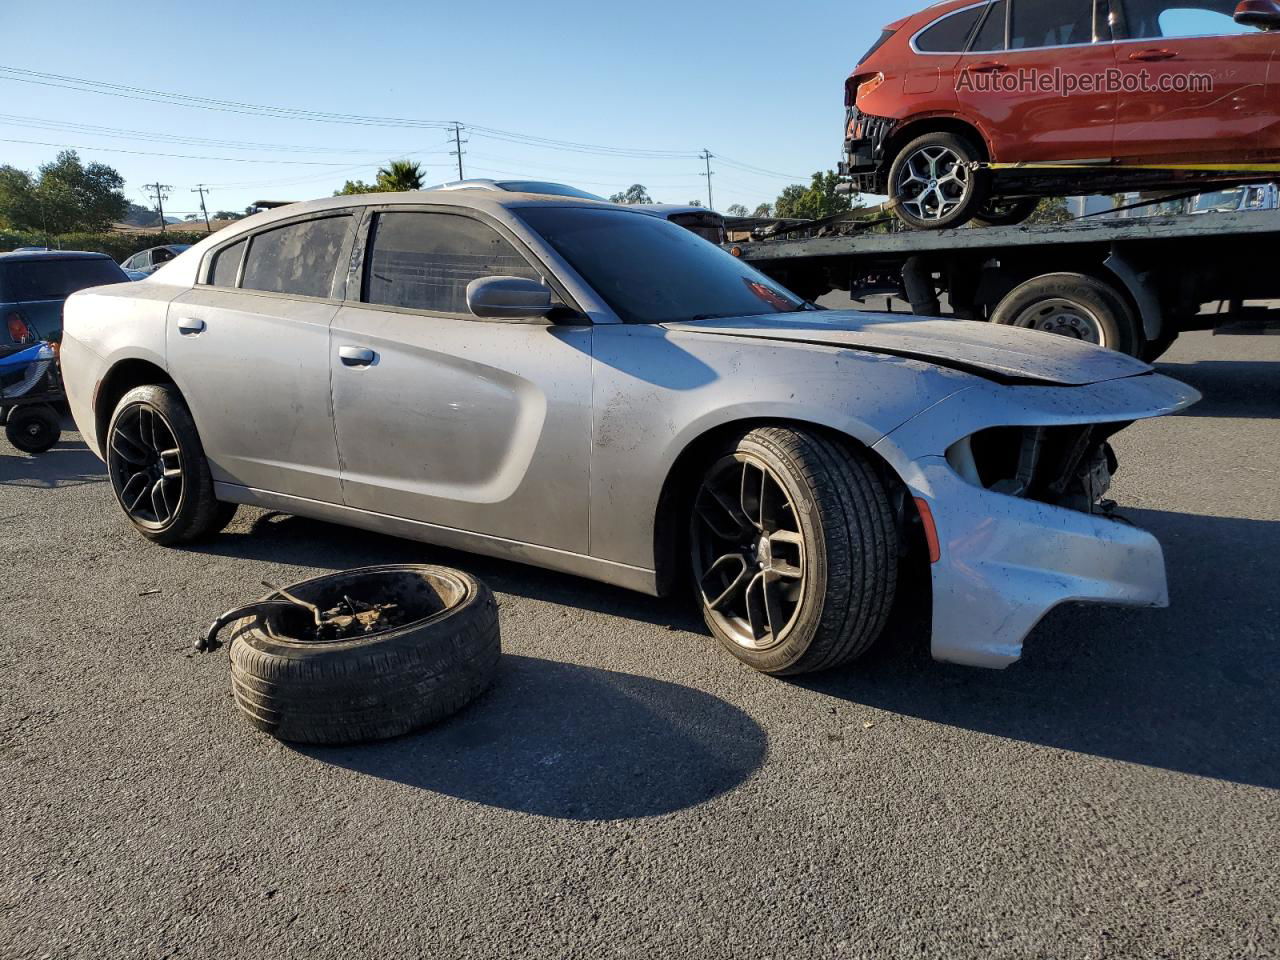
x=657, y=392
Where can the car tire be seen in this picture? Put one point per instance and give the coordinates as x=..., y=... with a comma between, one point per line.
x=33, y=429
x=373, y=687
x=1075, y=305
x=158, y=470
x=931, y=184
x=822, y=510
x=1006, y=213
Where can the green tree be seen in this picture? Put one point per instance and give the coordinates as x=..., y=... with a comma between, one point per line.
x=764, y=210
x=400, y=175
x=737, y=210
x=66, y=195
x=636, y=193
x=357, y=186
x=814, y=202
x=1051, y=210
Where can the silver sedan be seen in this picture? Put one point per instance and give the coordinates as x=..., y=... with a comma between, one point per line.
x=582, y=387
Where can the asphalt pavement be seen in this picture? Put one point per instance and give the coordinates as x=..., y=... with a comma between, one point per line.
x=627, y=789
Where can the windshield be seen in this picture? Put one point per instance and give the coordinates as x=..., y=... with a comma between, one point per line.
x=548, y=189
x=32, y=280
x=652, y=271
x=1223, y=201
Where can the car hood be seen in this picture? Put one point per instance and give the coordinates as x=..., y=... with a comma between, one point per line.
x=997, y=352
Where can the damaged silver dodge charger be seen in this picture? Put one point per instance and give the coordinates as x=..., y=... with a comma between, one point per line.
x=578, y=386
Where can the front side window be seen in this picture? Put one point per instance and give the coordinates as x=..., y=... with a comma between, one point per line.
x=1154, y=19
x=951, y=33
x=300, y=258
x=424, y=261
x=1050, y=23
x=651, y=271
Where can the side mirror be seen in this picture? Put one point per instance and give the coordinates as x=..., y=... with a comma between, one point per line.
x=1259, y=13
x=508, y=298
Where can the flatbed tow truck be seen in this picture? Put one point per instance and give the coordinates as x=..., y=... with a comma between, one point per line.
x=1131, y=284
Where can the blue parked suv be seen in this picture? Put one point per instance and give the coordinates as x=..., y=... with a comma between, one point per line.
x=34, y=285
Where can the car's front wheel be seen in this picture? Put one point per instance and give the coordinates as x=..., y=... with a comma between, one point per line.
x=934, y=184
x=794, y=550
x=158, y=469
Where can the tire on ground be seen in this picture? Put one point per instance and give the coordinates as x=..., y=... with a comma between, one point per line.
x=199, y=513
x=33, y=429
x=979, y=184
x=1117, y=321
x=851, y=543
x=369, y=688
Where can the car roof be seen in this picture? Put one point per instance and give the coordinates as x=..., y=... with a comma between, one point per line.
x=490, y=201
x=32, y=255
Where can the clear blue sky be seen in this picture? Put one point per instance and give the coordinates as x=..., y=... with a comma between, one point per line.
x=759, y=82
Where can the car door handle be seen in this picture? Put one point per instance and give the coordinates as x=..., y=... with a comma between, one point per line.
x=190, y=326
x=357, y=356
x=987, y=66
x=1153, y=56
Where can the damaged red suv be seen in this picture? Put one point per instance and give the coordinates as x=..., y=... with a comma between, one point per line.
x=975, y=111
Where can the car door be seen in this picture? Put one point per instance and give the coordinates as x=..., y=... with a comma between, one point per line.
x=1014, y=80
x=446, y=419
x=249, y=348
x=1198, y=82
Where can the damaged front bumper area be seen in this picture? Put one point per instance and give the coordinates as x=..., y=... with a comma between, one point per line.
x=1014, y=479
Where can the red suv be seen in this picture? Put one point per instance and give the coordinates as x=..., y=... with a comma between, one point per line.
x=977, y=110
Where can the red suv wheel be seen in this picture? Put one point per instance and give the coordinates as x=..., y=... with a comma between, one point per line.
x=933, y=182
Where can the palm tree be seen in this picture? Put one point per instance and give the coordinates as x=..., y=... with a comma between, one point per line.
x=400, y=175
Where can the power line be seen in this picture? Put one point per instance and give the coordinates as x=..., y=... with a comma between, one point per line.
x=178, y=156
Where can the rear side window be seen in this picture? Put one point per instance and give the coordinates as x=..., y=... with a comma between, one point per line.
x=951, y=33
x=990, y=38
x=300, y=258
x=424, y=261
x=226, y=265
x=1050, y=23
x=57, y=279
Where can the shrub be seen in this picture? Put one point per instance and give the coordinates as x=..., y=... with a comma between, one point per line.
x=118, y=246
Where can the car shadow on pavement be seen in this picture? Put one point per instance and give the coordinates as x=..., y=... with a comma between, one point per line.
x=575, y=743
x=1193, y=689
x=280, y=538
x=68, y=464
x=1232, y=389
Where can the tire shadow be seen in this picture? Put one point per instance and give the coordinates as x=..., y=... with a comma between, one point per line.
x=68, y=464
x=573, y=743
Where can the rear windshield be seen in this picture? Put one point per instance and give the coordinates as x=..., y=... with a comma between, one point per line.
x=652, y=271
x=29, y=280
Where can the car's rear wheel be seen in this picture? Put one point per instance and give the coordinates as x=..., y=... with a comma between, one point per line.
x=158, y=469
x=794, y=550
x=933, y=183
x=1073, y=305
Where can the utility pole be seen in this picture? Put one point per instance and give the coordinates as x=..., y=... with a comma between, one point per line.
x=457, y=147
x=161, y=194
x=200, y=189
x=706, y=155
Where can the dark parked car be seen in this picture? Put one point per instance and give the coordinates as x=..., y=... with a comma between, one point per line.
x=33, y=287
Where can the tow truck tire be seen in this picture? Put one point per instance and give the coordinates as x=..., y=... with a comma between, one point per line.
x=1074, y=305
x=952, y=195
x=1006, y=213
